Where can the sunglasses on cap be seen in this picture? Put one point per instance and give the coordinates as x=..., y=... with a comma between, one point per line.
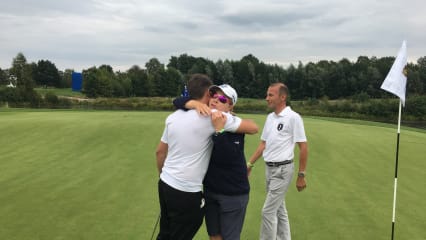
x=219, y=97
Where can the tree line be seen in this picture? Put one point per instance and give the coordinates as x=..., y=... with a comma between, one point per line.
x=249, y=76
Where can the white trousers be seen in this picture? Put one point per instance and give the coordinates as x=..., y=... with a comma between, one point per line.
x=275, y=222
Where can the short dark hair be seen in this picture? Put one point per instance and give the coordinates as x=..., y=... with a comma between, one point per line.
x=198, y=84
x=283, y=88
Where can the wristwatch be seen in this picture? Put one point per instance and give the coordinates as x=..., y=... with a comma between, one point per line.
x=301, y=174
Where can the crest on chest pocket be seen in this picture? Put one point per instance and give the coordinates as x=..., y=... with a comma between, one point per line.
x=282, y=128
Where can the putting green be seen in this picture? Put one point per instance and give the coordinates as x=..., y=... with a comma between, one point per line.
x=92, y=175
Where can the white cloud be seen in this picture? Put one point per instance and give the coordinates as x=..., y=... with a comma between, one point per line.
x=79, y=34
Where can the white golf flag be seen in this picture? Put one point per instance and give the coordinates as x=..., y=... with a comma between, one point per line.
x=396, y=80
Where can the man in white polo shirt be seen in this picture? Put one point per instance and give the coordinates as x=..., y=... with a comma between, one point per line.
x=282, y=130
x=182, y=159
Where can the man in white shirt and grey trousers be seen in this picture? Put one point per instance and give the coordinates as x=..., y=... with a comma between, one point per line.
x=283, y=129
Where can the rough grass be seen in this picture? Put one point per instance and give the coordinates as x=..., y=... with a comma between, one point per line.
x=68, y=92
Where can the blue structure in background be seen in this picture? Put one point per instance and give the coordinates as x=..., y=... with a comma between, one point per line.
x=185, y=92
x=77, y=81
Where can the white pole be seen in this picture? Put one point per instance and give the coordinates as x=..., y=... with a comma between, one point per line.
x=396, y=169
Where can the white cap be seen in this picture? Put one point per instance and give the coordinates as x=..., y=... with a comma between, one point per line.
x=228, y=91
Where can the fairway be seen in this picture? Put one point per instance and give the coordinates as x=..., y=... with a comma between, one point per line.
x=92, y=175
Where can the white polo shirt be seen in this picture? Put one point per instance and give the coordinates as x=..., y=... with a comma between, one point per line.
x=281, y=133
x=189, y=139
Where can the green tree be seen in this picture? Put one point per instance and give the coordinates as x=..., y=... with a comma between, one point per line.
x=105, y=77
x=291, y=80
x=139, y=80
x=183, y=63
x=362, y=79
x=173, y=62
x=3, y=78
x=102, y=82
x=198, y=67
x=66, y=78
x=106, y=68
x=313, y=86
x=23, y=74
x=117, y=89
x=245, y=72
x=174, y=82
x=342, y=87
x=328, y=77
x=296, y=90
x=26, y=85
x=17, y=69
x=98, y=82
x=156, y=77
x=25, y=80
x=375, y=80
x=90, y=83
x=225, y=72
x=241, y=73
x=126, y=84
x=414, y=83
x=46, y=74
x=211, y=70
x=384, y=64
x=421, y=63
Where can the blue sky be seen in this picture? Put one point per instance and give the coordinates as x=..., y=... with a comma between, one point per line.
x=79, y=34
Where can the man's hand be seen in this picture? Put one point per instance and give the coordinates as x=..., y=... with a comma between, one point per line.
x=249, y=170
x=201, y=108
x=300, y=183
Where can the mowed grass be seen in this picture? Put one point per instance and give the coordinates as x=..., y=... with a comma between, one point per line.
x=92, y=175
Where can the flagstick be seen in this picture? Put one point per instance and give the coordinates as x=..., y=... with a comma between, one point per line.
x=396, y=169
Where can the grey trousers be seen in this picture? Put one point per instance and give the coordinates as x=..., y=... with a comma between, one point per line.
x=275, y=223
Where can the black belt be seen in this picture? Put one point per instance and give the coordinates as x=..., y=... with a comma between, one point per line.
x=277, y=164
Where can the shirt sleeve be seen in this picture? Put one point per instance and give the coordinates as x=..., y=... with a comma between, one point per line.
x=232, y=122
x=180, y=102
x=298, y=130
x=265, y=131
x=164, y=137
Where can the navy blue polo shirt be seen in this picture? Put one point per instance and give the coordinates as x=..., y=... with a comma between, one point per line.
x=227, y=171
